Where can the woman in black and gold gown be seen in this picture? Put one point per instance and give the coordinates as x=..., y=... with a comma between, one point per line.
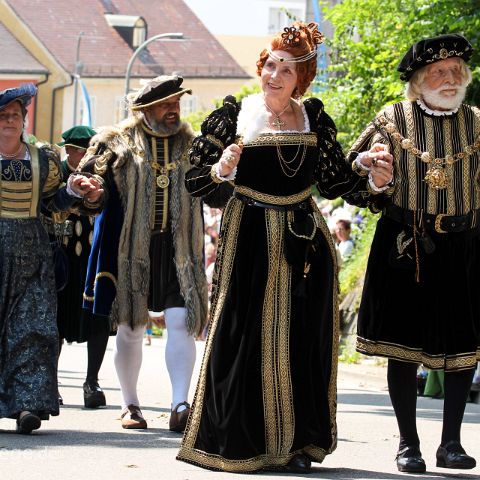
x=29, y=176
x=266, y=397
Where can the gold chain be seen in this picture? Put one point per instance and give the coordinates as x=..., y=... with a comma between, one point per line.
x=436, y=176
x=284, y=164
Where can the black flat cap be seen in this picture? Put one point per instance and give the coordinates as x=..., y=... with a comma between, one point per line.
x=433, y=50
x=158, y=90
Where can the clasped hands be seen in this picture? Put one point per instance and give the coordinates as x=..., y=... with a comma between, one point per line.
x=380, y=163
x=89, y=188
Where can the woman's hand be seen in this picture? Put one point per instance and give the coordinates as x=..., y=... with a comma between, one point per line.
x=86, y=187
x=380, y=162
x=229, y=159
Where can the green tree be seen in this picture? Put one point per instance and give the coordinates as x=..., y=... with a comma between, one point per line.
x=370, y=38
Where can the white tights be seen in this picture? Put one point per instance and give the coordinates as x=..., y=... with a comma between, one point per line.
x=180, y=356
x=127, y=357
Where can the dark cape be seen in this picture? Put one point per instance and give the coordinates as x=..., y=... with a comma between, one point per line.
x=267, y=387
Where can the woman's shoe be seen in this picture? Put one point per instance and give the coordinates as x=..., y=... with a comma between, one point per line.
x=452, y=455
x=27, y=421
x=409, y=459
x=93, y=396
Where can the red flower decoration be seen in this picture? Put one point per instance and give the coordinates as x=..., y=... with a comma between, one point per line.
x=291, y=36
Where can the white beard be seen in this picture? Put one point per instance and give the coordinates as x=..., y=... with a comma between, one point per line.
x=435, y=100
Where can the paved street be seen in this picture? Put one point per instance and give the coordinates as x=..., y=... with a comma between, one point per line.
x=90, y=444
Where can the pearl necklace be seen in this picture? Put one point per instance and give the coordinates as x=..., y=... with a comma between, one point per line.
x=9, y=156
x=277, y=123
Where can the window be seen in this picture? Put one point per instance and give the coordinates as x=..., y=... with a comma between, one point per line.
x=278, y=19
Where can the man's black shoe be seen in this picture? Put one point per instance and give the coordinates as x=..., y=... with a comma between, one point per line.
x=409, y=459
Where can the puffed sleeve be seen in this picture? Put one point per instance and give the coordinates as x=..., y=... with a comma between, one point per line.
x=218, y=131
x=55, y=197
x=333, y=174
x=54, y=178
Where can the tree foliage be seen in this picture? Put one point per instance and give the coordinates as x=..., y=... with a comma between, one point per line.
x=370, y=38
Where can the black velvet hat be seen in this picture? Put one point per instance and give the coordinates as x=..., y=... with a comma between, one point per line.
x=78, y=137
x=22, y=94
x=158, y=90
x=433, y=50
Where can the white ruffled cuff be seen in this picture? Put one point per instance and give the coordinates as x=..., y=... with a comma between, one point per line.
x=69, y=187
x=229, y=177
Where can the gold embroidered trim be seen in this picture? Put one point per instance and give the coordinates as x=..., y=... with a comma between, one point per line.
x=225, y=258
x=461, y=361
x=35, y=163
x=308, y=139
x=215, y=141
x=274, y=199
x=276, y=375
x=97, y=277
x=217, y=462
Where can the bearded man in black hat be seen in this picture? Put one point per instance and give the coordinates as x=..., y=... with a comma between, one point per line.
x=420, y=301
x=147, y=252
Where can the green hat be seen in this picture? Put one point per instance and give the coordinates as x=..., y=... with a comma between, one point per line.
x=78, y=136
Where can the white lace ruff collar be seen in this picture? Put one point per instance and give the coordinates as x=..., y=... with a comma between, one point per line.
x=436, y=113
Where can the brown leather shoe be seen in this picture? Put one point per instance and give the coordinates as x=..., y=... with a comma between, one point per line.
x=132, y=418
x=178, y=420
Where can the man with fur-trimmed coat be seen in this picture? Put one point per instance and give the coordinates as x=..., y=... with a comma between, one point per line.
x=147, y=251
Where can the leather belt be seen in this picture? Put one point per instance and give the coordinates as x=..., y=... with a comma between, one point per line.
x=303, y=205
x=440, y=223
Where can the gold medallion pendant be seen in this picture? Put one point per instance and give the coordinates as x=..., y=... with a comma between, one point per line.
x=163, y=181
x=436, y=178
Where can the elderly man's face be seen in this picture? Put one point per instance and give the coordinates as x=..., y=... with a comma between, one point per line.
x=445, y=73
x=164, y=114
x=444, y=85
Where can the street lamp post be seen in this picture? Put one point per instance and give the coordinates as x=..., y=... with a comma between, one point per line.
x=137, y=52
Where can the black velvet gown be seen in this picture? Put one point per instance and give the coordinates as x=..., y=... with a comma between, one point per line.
x=267, y=387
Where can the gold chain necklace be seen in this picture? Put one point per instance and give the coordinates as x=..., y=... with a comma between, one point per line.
x=285, y=164
x=277, y=123
x=9, y=156
x=436, y=176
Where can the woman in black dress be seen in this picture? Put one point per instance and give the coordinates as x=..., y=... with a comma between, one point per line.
x=266, y=397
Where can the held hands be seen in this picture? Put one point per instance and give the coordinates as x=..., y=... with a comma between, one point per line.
x=380, y=162
x=89, y=188
x=229, y=159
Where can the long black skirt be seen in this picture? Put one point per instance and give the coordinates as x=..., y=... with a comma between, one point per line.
x=28, y=327
x=267, y=387
x=422, y=307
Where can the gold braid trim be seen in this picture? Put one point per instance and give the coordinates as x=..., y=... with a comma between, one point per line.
x=215, y=141
x=97, y=277
x=274, y=199
x=460, y=361
x=268, y=139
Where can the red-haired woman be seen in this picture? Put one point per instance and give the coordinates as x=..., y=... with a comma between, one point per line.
x=266, y=397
